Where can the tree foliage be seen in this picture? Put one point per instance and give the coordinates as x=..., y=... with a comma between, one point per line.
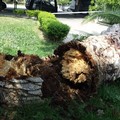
x=107, y=16
x=64, y=2
x=104, y=4
x=109, y=11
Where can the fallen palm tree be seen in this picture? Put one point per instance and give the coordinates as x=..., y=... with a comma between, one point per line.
x=75, y=70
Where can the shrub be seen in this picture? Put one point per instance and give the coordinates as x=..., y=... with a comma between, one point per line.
x=19, y=12
x=52, y=27
x=45, y=23
x=45, y=15
x=32, y=13
x=57, y=31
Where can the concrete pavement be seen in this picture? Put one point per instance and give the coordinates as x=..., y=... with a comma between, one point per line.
x=77, y=28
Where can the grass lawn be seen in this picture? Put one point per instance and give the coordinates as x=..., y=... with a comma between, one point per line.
x=23, y=34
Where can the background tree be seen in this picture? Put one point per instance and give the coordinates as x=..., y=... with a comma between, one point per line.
x=63, y=2
x=100, y=4
x=109, y=11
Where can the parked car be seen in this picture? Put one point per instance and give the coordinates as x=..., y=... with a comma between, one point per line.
x=40, y=5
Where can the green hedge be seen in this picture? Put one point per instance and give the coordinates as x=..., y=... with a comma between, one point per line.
x=32, y=13
x=57, y=31
x=50, y=25
x=54, y=29
x=43, y=16
x=19, y=12
x=45, y=23
x=46, y=15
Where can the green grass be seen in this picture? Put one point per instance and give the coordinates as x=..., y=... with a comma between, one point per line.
x=23, y=34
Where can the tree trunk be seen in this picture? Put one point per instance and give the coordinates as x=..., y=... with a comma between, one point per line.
x=2, y=5
x=100, y=53
x=82, y=5
x=17, y=86
x=20, y=91
x=75, y=71
x=56, y=8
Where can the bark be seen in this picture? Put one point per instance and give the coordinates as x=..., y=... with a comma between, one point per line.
x=17, y=85
x=89, y=63
x=82, y=5
x=102, y=53
x=20, y=91
x=75, y=71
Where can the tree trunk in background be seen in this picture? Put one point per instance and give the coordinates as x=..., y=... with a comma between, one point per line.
x=55, y=1
x=82, y=5
x=2, y=5
x=75, y=71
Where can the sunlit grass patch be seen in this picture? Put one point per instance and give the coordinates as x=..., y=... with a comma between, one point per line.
x=23, y=34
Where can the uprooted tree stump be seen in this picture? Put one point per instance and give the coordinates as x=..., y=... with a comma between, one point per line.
x=75, y=70
x=17, y=86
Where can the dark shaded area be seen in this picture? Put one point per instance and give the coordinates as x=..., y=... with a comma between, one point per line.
x=83, y=5
x=41, y=5
x=2, y=5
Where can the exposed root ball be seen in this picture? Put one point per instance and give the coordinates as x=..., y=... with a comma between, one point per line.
x=74, y=67
x=12, y=67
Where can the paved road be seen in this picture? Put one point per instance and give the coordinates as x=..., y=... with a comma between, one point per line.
x=78, y=28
